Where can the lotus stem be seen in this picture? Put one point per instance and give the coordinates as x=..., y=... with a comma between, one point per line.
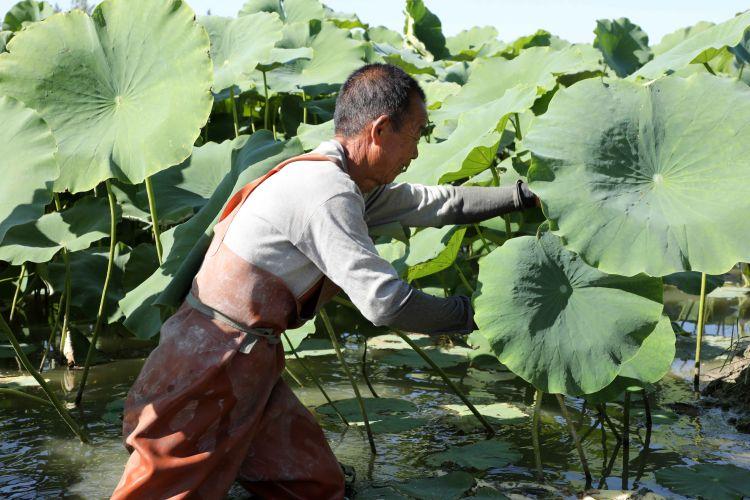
x=687, y=315
x=699, y=337
x=315, y=380
x=535, y=435
x=17, y=292
x=234, y=112
x=66, y=314
x=52, y=332
x=154, y=218
x=574, y=435
x=463, y=278
x=603, y=410
x=709, y=68
x=23, y=395
x=517, y=126
x=647, y=441
x=340, y=355
x=51, y=395
x=444, y=376
x=485, y=244
x=625, y=440
x=742, y=68
x=293, y=376
x=105, y=288
x=611, y=464
x=266, y=109
x=364, y=371
x=495, y=176
x=304, y=108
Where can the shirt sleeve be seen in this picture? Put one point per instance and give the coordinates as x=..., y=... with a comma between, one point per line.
x=416, y=205
x=335, y=239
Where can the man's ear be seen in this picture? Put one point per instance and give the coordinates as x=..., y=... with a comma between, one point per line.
x=379, y=126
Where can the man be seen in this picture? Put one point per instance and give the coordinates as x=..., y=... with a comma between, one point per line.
x=209, y=406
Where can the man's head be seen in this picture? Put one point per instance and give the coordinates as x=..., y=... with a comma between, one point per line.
x=380, y=112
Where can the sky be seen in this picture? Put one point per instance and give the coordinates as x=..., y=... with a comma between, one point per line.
x=573, y=20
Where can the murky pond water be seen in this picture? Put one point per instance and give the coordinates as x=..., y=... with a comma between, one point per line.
x=39, y=458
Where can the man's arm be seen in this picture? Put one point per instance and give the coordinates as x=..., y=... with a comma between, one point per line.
x=335, y=239
x=416, y=205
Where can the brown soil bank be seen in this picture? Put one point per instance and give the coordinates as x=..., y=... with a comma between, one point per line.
x=730, y=387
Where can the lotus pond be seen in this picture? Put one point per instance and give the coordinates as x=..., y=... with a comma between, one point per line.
x=612, y=343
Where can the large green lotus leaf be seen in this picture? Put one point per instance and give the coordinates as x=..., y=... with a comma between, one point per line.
x=690, y=282
x=623, y=44
x=312, y=135
x=188, y=241
x=558, y=323
x=541, y=38
x=297, y=335
x=27, y=160
x=406, y=59
x=292, y=11
x=537, y=66
x=652, y=361
x=335, y=56
x=659, y=173
x=498, y=414
x=5, y=37
x=386, y=415
x=481, y=455
x=470, y=43
x=253, y=6
x=448, y=487
x=75, y=229
x=25, y=12
x=436, y=92
x=714, y=481
x=239, y=44
x=699, y=48
x=678, y=36
x=128, y=95
x=432, y=249
x=471, y=147
x=381, y=34
x=423, y=30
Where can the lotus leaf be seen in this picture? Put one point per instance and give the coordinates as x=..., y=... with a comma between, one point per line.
x=423, y=29
x=128, y=95
x=652, y=191
x=253, y=6
x=698, y=48
x=239, y=44
x=312, y=135
x=312, y=347
x=335, y=56
x=541, y=38
x=386, y=415
x=472, y=146
x=678, y=36
x=142, y=262
x=381, y=493
x=714, y=481
x=393, y=341
x=7, y=352
x=182, y=260
x=623, y=44
x=436, y=92
x=27, y=155
x=5, y=37
x=690, y=282
x=383, y=35
x=538, y=67
x=496, y=413
x=409, y=61
x=481, y=455
x=408, y=358
x=470, y=43
x=558, y=323
x=431, y=250
x=26, y=12
x=75, y=229
x=448, y=487
x=297, y=335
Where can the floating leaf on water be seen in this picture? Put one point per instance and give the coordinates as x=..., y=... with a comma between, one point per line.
x=447, y=487
x=27, y=155
x=557, y=322
x=393, y=341
x=730, y=292
x=487, y=493
x=314, y=347
x=481, y=455
x=408, y=358
x=645, y=200
x=386, y=415
x=125, y=100
x=297, y=336
x=690, y=282
x=381, y=493
x=496, y=413
x=7, y=352
x=714, y=481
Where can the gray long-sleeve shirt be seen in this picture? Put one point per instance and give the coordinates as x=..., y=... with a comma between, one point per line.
x=311, y=219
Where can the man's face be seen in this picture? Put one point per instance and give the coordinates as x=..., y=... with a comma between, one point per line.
x=397, y=148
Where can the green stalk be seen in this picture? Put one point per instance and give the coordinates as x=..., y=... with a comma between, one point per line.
x=154, y=217
x=709, y=68
x=315, y=380
x=517, y=126
x=293, y=376
x=699, y=339
x=364, y=371
x=337, y=347
x=51, y=395
x=266, y=110
x=535, y=435
x=66, y=315
x=234, y=112
x=23, y=395
x=574, y=435
x=52, y=332
x=304, y=108
x=17, y=292
x=742, y=68
x=105, y=288
x=447, y=380
x=485, y=244
x=463, y=278
x=625, y=440
x=495, y=176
